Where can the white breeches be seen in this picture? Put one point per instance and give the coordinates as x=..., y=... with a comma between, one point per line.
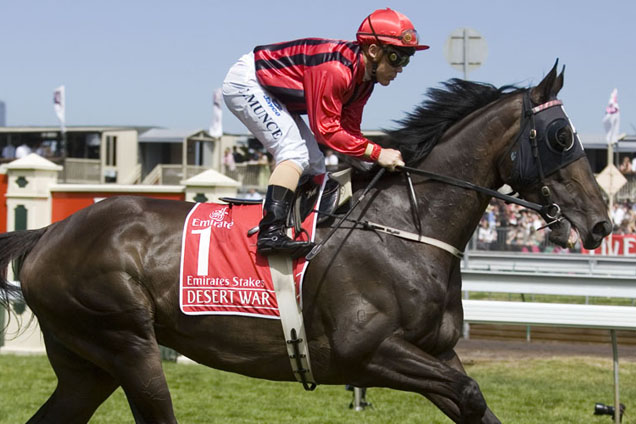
x=285, y=135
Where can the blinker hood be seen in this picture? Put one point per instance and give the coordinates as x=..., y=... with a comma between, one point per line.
x=534, y=159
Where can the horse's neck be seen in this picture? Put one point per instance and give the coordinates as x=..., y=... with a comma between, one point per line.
x=469, y=151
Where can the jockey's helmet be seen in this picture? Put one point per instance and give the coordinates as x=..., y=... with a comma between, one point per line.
x=387, y=26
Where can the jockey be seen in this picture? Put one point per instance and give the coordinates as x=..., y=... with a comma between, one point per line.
x=330, y=81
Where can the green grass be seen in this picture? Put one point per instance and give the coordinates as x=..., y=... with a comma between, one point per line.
x=534, y=391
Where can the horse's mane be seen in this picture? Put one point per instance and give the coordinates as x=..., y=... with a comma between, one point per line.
x=422, y=129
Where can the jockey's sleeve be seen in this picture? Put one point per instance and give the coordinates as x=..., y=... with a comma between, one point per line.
x=333, y=124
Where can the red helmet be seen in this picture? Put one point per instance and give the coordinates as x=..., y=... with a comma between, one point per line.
x=386, y=26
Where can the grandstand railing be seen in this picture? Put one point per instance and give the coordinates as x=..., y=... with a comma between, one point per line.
x=250, y=175
x=82, y=171
x=171, y=174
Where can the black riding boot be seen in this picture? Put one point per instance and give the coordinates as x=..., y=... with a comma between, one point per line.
x=271, y=236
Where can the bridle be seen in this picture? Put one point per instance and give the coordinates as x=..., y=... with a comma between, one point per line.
x=528, y=138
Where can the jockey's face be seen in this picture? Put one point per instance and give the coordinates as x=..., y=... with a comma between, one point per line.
x=385, y=72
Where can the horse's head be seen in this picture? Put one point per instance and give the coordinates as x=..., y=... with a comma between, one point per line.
x=547, y=165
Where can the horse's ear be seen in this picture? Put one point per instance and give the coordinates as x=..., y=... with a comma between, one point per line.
x=558, y=84
x=542, y=92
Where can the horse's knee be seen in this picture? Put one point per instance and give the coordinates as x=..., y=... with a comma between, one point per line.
x=348, y=353
x=490, y=418
x=471, y=402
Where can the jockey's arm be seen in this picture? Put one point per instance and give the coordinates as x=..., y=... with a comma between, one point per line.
x=339, y=127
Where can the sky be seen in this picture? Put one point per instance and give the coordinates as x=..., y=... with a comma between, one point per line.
x=157, y=62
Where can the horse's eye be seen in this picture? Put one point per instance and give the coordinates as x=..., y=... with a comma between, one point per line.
x=559, y=135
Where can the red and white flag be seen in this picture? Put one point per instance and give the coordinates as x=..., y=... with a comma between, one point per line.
x=216, y=126
x=59, y=104
x=612, y=118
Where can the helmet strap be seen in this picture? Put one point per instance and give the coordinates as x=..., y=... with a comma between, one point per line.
x=374, y=69
x=375, y=62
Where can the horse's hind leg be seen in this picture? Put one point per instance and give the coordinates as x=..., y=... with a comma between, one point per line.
x=124, y=344
x=131, y=355
x=81, y=386
x=108, y=321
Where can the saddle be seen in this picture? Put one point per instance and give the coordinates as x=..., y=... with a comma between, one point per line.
x=336, y=194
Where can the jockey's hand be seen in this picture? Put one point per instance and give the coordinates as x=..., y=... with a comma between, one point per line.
x=390, y=158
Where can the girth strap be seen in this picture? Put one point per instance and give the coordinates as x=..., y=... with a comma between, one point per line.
x=291, y=318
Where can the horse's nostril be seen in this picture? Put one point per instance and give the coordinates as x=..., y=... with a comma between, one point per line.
x=602, y=228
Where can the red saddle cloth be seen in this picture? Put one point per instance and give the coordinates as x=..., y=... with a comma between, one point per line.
x=221, y=273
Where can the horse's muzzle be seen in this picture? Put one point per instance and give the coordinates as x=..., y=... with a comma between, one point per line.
x=600, y=230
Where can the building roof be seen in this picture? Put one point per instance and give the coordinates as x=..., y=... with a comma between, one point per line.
x=598, y=141
x=211, y=178
x=33, y=161
x=165, y=135
x=87, y=128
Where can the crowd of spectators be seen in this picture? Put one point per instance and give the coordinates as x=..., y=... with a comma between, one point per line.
x=624, y=217
x=511, y=227
x=11, y=152
x=247, y=155
x=255, y=165
x=627, y=165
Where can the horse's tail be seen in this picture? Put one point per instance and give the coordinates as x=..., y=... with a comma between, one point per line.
x=14, y=245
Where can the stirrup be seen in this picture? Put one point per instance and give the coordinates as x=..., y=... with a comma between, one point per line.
x=295, y=252
x=282, y=244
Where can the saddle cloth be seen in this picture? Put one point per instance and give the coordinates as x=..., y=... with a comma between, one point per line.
x=221, y=273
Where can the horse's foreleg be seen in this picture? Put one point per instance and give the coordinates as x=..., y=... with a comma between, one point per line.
x=452, y=360
x=401, y=365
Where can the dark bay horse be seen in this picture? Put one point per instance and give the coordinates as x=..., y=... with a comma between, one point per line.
x=379, y=311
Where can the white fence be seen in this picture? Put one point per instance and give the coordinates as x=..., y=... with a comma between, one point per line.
x=580, y=275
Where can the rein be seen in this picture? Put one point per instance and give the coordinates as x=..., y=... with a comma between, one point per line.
x=544, y=210
x=368, y=225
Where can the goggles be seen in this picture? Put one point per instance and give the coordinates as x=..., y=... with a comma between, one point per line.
x=395, y=57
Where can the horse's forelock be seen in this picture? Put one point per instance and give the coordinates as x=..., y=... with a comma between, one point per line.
x=421, y=130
